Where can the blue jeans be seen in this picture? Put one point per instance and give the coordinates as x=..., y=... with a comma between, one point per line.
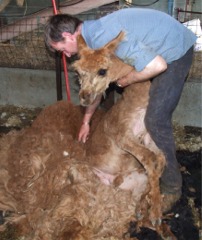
x=165, y=93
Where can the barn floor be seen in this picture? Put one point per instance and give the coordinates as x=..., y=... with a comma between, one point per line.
x=185, y=217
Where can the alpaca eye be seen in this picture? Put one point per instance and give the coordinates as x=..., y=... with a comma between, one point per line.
x=102, y=72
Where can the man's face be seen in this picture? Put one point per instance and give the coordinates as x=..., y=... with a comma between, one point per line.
x=68, y=45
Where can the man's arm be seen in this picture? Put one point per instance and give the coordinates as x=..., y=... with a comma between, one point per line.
x=154, y=68
x=85, y=127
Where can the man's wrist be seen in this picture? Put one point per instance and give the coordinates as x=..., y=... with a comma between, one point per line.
x=85, y=123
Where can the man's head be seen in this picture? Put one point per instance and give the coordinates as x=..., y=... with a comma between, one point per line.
x=61, y=33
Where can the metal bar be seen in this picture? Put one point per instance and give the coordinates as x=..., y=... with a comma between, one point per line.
x=57, y=61
x=58, y=76
x=181, y=10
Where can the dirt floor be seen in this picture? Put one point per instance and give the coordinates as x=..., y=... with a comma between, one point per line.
x=185, y=217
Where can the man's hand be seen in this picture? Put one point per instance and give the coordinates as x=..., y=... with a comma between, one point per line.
x=85, y=127
x=84, y=132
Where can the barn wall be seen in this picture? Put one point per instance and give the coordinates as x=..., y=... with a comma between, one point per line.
x=37, y=88
x=189, y=109
x=32, y=88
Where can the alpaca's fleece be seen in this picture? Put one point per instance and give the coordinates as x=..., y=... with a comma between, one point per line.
x=48, y=185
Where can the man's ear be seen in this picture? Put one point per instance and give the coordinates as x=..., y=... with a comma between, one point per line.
x=67, y=35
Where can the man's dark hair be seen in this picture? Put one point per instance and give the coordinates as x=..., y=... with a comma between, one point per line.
x=58, y=24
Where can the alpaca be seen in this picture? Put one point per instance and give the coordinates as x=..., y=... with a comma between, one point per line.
x=124, y=147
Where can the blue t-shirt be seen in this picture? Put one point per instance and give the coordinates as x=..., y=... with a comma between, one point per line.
x=148, y=33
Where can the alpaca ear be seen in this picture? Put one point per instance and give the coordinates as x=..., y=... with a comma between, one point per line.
x=113, y=44
x=81, y=43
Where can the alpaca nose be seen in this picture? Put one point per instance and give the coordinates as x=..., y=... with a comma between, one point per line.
x=85, y=98
x=84, y=94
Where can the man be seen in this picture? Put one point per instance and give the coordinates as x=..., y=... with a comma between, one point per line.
x=159, y=47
